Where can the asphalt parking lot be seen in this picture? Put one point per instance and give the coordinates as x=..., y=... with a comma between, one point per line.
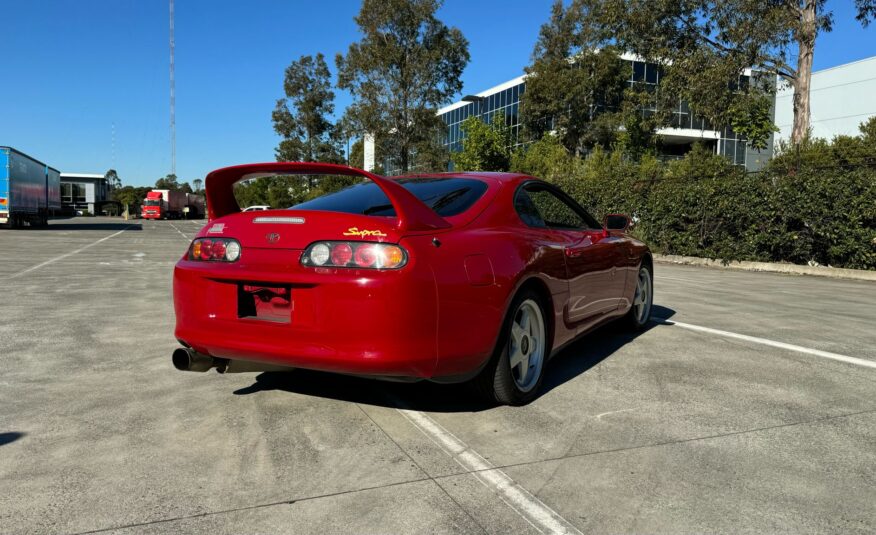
x=676, y=430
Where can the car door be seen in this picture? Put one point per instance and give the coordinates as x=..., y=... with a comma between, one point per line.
x=592, y=256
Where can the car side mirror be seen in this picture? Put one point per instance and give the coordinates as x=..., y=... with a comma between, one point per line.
x=616, y=222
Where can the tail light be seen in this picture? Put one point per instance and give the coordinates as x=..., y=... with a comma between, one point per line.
x=214, y=250
x=346, y=254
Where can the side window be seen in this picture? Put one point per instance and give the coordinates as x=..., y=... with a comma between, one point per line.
x=527, y=211
x=551, y=210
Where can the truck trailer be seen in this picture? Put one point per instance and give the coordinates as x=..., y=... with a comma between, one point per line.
x=30, y=191
x=195, y=208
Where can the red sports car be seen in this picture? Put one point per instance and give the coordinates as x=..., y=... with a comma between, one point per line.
x=449, y=277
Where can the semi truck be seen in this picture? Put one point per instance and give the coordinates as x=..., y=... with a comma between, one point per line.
x=172, y=204
x=30, y=191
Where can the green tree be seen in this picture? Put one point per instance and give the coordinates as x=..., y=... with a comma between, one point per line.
x=357, y=154
x=112, y=179
x=546, y=158
x=127, y=195
x=301, y=118
x=486, y=147
x=198, y=185
x=576, y=85
x=406, y=65
x=130, y=195
x=705, y=45
x=168, y=182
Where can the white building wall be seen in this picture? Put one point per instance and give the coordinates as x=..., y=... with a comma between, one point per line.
x=368, y=149
x=842, y=98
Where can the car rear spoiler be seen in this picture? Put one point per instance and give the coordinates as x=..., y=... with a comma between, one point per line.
x=412, y=214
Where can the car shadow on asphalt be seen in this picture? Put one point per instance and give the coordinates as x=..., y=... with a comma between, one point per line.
x=572, y=361
x=8, y=438
x=121, y=225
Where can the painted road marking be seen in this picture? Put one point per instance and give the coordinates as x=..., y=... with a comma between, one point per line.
x=533, y=510
x=180, y=232
x=771, y=343
x=65, y=255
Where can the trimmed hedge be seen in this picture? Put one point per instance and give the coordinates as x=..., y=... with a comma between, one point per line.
x=815, y=204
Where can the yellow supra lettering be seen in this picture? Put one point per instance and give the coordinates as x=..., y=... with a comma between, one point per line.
x=354, y=231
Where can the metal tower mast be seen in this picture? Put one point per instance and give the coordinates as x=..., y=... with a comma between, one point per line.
x=172, y=100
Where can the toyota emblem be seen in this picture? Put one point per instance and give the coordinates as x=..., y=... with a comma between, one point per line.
x=273, y=237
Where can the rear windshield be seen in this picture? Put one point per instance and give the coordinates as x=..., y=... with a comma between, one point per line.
x=447, y=196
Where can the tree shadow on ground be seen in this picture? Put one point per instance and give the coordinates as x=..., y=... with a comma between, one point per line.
x=8, y=438
x=572, y=361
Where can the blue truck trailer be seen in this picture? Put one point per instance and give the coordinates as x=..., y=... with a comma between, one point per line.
x=30, y=191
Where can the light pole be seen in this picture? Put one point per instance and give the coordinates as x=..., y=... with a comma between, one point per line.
x=475, y=98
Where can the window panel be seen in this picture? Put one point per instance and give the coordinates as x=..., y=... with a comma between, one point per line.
x=638, y=71
x=651, y=73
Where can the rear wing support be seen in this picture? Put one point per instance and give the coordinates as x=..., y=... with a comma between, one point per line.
x=412, y=213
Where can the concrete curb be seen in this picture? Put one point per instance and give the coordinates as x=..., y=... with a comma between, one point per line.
x=793, y=269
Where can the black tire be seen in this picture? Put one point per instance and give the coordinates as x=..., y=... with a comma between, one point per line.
x=498, y=382
x=636, y=319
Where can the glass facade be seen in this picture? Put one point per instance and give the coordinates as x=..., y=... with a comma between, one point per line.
x=506, y=101
x=73, y=193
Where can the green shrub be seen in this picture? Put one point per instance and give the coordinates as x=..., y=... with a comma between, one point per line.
x=813, y=203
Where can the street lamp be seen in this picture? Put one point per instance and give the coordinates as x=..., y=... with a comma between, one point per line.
x=475, y=98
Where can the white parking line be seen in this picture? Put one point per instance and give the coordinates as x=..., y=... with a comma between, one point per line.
x=180, y=232
x=771, y=343
x=65, y=255
x=533, y=510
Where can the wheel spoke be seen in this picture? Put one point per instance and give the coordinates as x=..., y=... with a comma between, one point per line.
x=516, y=358
x=516, y=334
x=524, y=368
x=526, y=321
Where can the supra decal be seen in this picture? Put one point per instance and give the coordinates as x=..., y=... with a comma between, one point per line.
x=217, y=228
x=354, y=231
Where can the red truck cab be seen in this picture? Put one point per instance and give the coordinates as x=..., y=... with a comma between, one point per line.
x=154, y=206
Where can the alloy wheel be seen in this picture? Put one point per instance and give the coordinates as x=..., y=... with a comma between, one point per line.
x=526, y=348
x=642, y=299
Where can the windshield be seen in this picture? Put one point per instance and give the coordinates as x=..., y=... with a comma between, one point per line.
x=447, y=196
x=152, y=202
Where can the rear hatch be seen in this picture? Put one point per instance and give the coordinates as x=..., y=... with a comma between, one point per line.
x=296, y=229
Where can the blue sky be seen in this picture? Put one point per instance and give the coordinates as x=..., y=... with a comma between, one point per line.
x=70, y=69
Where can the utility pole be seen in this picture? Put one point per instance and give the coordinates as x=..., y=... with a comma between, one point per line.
x=172, y=100
x=114, y=146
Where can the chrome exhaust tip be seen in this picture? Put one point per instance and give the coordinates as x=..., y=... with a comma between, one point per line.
x=188, y=360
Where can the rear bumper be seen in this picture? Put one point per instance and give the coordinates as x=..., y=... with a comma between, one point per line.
x=342, y=320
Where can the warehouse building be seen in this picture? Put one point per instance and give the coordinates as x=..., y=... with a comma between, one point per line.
x=842, y=98
x=82, y=192
x=841, y=101
x=686, y=128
